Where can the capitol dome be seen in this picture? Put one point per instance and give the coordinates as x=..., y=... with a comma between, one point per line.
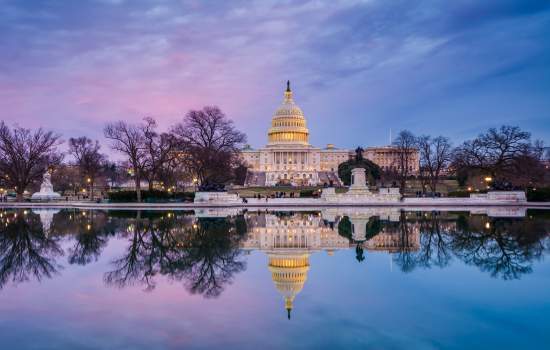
x=289, y=273
x=288, y=125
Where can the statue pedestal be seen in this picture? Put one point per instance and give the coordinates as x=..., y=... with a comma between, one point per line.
x=45, y=196
x=359, y=193
x=358, y=182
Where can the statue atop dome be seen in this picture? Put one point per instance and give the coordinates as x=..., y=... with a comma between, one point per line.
x=288, y=94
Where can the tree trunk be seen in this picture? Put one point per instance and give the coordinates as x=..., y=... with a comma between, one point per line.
x=150, y=185
x=92, y=190
x=138, y=188
x=433, y=185
x=19, y=197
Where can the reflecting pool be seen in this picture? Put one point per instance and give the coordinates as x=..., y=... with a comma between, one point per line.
x=351, y=278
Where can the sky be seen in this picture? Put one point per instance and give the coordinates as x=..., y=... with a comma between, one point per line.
x=358, y=68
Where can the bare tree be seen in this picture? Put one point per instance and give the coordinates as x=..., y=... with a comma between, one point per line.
x=405, y=147
x=497, y=153
x=210, y=144
x=160, y=152
x=128, y=139
x=25, y=155
x=66, y=178
x=115, y=173
x=435, y=157
x=88, y=159
x=424, y=177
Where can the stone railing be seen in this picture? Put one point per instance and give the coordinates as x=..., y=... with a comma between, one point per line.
x=216, y=197
x=493, y=197
x=384, y=195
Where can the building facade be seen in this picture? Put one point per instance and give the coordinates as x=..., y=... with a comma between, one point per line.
x=289, y=158
x=388, y=158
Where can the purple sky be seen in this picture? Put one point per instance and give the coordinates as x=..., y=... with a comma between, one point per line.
x=357, y=67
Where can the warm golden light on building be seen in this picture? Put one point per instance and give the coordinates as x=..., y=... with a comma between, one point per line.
x=289, y=159
x=289, y=273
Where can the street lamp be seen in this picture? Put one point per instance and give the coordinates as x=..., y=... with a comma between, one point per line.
x=89, y=181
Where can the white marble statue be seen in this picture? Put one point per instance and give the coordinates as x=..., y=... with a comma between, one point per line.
x=46, y=189
x=46, y=186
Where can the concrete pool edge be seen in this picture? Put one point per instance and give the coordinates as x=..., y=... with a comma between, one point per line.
x=272, y=203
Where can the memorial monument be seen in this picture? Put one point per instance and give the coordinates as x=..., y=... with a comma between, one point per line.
x=46, y=190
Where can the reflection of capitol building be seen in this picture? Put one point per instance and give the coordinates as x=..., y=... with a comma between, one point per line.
x=288, y=158
x=289, y=273
x=296, y=232
x=390, y=241
x=289, y=240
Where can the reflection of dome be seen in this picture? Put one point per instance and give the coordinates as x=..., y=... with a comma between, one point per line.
x=288, y=125
x=289, y=273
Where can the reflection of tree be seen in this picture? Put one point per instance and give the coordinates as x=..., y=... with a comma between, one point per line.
x=212, y=256
x=344, y=227
x=90, y=229
x=504, y=247
x=203, y=253
x=404, y=257
x=434, y=243
x=25, y=252
x=152, y=242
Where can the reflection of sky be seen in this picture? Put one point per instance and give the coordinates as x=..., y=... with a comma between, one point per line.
x=344, y=304
x=434, y=67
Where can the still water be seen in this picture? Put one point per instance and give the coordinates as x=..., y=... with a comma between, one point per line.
x=348, y=278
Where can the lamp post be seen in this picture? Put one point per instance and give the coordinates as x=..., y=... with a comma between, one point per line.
x=90, y=186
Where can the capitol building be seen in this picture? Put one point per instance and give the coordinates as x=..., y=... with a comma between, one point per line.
x=289, y=159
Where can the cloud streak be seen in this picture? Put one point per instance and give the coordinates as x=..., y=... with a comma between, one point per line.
x=430, y=66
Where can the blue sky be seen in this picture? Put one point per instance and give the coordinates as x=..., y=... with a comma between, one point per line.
x=358, y=68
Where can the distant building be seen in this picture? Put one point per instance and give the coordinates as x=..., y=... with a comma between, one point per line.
x=289, y=159
x=388, y=158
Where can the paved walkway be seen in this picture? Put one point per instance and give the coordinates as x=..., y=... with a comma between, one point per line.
x=293, y=203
